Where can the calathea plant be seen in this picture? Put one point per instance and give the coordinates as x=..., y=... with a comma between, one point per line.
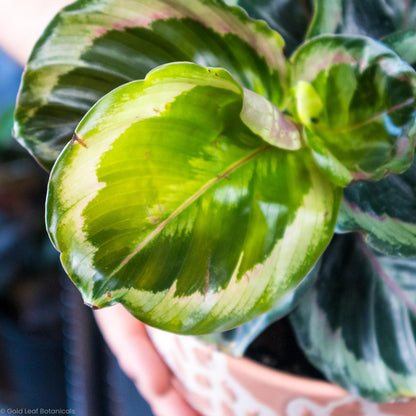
x=200, y=168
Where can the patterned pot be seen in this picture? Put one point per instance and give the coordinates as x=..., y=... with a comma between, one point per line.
x=219, y=385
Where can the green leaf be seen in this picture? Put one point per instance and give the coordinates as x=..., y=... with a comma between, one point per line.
x=384, y=211
x=290, y=18
x=375, y=18
x=333, y=168
x=404, y=44
x=92, y=47
x=356, y=98
x=264, y=119
x=327, y=17
x=357, y=325
x=168, y=203
x=237, y=340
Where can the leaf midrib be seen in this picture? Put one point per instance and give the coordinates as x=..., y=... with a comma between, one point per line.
x=187, y=203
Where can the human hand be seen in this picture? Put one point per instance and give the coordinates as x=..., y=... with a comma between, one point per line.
x=23, y=21
x=137, y=356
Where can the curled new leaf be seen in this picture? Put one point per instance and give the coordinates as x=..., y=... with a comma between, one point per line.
x=356, y=98
x=168, y=203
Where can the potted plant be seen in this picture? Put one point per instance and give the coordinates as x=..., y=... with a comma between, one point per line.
x=201, y=168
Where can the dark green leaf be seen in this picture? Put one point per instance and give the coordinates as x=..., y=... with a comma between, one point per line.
x=375, y=18
x=385, y=211
x=404, y=44
x=290, y=18
x=356, y=98
x=327, y=17
x=92, y=47
x=168, y=203
x=358, y=322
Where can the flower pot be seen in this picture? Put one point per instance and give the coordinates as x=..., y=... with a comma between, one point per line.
x=217, y=384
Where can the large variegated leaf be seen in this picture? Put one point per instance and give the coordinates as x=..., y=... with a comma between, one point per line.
x=91, y=47
x=236, y=341
x=375, y=18
x=356, y=98
x=358, y=323
x=169, y=203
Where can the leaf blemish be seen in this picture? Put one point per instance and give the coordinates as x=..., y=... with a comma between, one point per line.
x=225, y=176
x=155, y=220
x=76, y=139
x=147, y=154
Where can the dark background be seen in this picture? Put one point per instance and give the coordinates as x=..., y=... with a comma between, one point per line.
x=52, y=355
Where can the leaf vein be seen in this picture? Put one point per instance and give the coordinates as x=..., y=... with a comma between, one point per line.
x=188, y=202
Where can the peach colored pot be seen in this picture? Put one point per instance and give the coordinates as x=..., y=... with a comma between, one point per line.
x=219, y=385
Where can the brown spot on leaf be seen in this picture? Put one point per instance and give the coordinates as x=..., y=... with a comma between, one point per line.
x=147, y=154
x=108, y=294
x=155, y=220
x=76, y=139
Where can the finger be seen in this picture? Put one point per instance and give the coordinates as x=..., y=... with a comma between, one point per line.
x=137, y=356
x=173, y=404
x=23, y=21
